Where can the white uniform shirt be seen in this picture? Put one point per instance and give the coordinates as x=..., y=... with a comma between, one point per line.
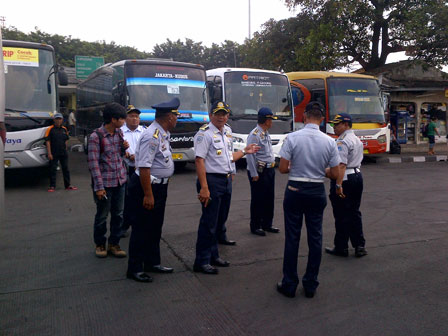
x=132, y=138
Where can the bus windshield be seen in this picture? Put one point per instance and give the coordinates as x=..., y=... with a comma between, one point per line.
x=26, y=84
x=247, y=92
x=148, y=85
x=357, y=96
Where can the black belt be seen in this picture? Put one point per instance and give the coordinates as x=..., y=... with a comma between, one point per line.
x=225, y=175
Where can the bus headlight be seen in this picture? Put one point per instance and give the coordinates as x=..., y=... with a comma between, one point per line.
x=38, y=144
x=382, y=139
x=237, y=140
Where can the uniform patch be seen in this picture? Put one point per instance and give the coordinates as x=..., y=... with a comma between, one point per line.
x=199, y=139
x=216, y=141
x=152, y=148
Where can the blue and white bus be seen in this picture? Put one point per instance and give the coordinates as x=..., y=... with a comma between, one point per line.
x=2, y=133
x=144, y=83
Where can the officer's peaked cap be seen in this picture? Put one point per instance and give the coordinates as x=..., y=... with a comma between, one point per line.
x=169, y=106
x=132, y=108
x=266, y=112
x=341, y=117
x=220, y=106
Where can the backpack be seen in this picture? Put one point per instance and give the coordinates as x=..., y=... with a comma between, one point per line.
x=100, y=139
x=425, y=130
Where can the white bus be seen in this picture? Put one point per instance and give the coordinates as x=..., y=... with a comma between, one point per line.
x=246, y=91
x=2, y=133
x=31, y=100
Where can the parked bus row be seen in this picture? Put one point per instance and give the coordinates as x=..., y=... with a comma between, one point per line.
x=32, y=77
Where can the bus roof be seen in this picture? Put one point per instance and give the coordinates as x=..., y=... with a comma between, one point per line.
x=157, y=61
x=224, y=70
x=23, y=44
x=324, y=75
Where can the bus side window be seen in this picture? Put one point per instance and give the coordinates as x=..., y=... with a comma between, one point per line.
x=214, y=85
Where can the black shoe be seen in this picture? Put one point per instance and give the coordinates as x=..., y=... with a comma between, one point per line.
x=309, y=293
x=206, y=269
x=227, y=242
x=259, y=232
x=220, y=262
x=139, y=276
x=336, y=252
x=282, y=290
x=272, y=230
x=360, y=251
x=159, y=269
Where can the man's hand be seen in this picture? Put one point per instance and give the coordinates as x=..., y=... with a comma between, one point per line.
x=148, y=202
x=101, y=194
x=50, y=156
x=204, y=196
x=132, y=157
x=340, y=192
x=125, y=144
x=255, y=178
x=252, y=148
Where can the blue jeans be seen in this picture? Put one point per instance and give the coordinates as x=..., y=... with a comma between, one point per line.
x=113, y=204
x=303, y=199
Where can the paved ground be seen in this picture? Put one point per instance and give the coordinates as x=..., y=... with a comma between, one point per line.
x=51, y=283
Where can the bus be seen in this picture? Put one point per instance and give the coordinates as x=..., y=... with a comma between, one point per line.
x=2, y=133
x=246, y=91
x=31, y=79
x=358, y=95
x=144, y=83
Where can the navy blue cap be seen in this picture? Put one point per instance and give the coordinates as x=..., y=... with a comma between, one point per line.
x=58, y=115
x=341, y=117
x=314, y=105
x=169, y=106
x=220, y=106
x=266, y=112
x=132, y=108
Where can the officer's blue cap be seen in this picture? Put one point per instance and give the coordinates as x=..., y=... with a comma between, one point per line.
x=132, y=108
x=169, y=106
x=341, y=117
x=220, y=106
x=266, y=112
x=58, y=115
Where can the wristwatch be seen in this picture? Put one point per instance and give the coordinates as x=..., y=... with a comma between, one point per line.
x=243, y=151
x=338, y=186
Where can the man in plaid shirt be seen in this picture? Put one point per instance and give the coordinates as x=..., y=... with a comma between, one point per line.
x=106, y=149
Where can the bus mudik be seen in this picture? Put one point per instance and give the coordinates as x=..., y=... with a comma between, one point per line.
x=246, y=91
x=31, y=78
x=358, y=95
x=144, y=83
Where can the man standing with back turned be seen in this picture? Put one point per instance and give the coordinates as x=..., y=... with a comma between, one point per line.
x=305, y=155
x=346, y=191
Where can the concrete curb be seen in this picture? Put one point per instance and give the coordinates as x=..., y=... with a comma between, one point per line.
x=411, y=158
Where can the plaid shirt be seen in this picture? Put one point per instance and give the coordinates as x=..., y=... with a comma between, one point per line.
x=107, y=167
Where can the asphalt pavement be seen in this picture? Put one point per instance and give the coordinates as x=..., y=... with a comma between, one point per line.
x=52, y=284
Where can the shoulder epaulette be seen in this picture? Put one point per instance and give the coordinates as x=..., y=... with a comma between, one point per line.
x=204, y=127
x=156, y=133
x=228, y=125
x=342, y=137
x=256, y=131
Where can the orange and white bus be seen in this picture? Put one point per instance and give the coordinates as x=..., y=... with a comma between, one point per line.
x=358, y=95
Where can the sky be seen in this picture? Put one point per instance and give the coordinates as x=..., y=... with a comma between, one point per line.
x=143, y=24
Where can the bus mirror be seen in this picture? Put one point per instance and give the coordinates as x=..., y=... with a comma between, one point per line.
x=62, y=77
x=48, y=86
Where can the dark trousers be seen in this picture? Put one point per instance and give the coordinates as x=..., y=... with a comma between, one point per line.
x=63, y=159
x=262, y=199
x=347, y=217
x=212, y=223
x=303, y=199
x=127, y=213
x=144, y=244
x=113, y=204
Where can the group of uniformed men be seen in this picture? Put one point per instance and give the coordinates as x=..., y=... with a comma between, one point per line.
x=307, y=155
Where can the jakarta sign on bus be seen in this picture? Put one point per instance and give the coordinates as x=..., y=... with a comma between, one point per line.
x=85, y=65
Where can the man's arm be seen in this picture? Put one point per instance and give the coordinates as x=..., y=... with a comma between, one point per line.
x=284, y=166
x=145, y=181
x=204, y=193
x=251, y=160
x=94, y=166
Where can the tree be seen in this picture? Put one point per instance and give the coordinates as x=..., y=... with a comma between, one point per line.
x=368, y=31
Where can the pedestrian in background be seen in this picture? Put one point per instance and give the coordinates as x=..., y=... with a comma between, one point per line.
x=148, y=192
x=106, y=150
x=56, y=137
x=432, y=131
x=305, y=155
x=261, y=173
x=215, y=166
x=346, y=190
x=132, y=131
x=72, y=123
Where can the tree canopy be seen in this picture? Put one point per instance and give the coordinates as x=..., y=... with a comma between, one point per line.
x=368, y=31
